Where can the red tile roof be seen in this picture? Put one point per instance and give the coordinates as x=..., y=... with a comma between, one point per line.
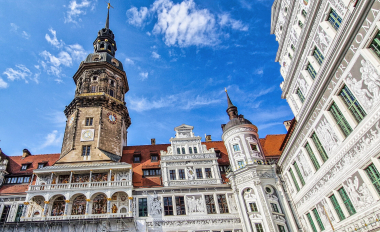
x=271, y=145
x=15, y=163
x=13, y=189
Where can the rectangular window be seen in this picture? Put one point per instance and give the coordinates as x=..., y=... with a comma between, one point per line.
x=290, y=56
x=312, y=156
x=375, y=44
x=89, y=121
x=253, y=147
x=253, y=207
x=352, y=104
x=26, y=179
x=222, y=201
x=181, y=174
x=136, y=159
x=374, y=176
x=24, y=166
x=14, y=179
x=294, y=179
x=259, y=227
x=300, y=95
x=190, y=150
x=292, y=47
x=41, y=165
x=180, y=205
x=319, y=147
x=334, y=19
x=210, y=204
x=346, y=201
x=236, y=147
x=208, y=172
x=143, y=207
x=299, y=173
x=311, y=222
x=281, y=228
x=195, y=150
x=20, y=180
x=111, y=92
x=172, y=175
x=337, y=208
x=19, y=213
x=311, y=71
x=318, y=56
x=152, y=172
x=340, y=119
x=86, y=150
x=154, y=158
x=93, y=89
x=300, y=24
x=4, y=214
x=199, y=173
x=319, y=221
x=304, y=13
x=241, y=164
x=274, y=207
x=168, y=206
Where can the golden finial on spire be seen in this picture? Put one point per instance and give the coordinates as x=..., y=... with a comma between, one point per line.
x=109, y=5
x=225, y=89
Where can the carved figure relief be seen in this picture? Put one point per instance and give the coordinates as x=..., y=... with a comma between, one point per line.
x=232, y=202
x=359, y=194
x=304, y=165
x=154, y=205
x=322, y=39
x=195, y=204
x=79, y=205
x=190, y=173
x=303, y=85
x=364, y=96
x=99, y=205
x=122, y=176
x=327, y=135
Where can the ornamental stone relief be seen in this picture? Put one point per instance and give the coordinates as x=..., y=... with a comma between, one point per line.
x=189, y=157
x=358, y=192
x=242, y=129
x=190, y=173
x=195, y=204
x=154, y=205
x=323, y=207
x=339, y=6
x=243, y=179
x=192, y=182
x=365, y=140
x=322, y=39
x=303, y=85
x=326, y=134
x=232, y=203
x=304, y=165
x=195, y=222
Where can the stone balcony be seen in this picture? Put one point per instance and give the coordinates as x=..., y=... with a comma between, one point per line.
x=86, y=185
x=78, y=217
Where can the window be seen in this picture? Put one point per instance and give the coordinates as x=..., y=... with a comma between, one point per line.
x=154, y=158
x=172, y=175
x=253, y=207
x=195, y=150
x=152, y=172
x=210, y=204
x=24, y=166
x=346, y=201
x=136, y=159
x=375, y=44
x=292, y=47
x=20, y=180
x=311, y=222
x=208, y=172
x=294, y=179
x=253, y=147
x=304, y=13
x=168, y=206
x=290, y=56
x=41, y=165
x=111, y=92
x=319, y=221
x=236, y=147
x=199, y=173
x=181, y=174
x=183, y=151
x=14, y=179
x=143, y=207
x=300, y=95
x=300, y=24
x=4, y=214
x=223, y=168
x=352, y=104
x=259, y=227
x=281, y=228
x=374, y=176
x=299, y=173
x=89, y=121
x=86, y=150
x=93, y=89
x=311, y=71
x=190, y=150
x=222, y=201
x=112, y=83
x=318, y=56
x=340, y=119
x=178, y=150
x=319, y=146
x=337, y=208
x=274, y=207
x=334, y=19
x=94, y=78
x=19, y=213
x=241, y=164
x=26, y=179
x=180, y=205
x=312, y=156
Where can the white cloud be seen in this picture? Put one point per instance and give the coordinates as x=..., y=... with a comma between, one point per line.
x=3, y=84
x=144, y=75
x=155, y=55
x=76, y=10
x=25, y=35
x=21, y=72
x=53, y=63
x=129, y=61
x=259, y=71
x=52, y=139
x=184, y=24
x=136, y=17
x=77, y=51
x=14, y=27
x=54, y=41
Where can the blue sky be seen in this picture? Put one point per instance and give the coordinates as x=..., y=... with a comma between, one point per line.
x=178, y=55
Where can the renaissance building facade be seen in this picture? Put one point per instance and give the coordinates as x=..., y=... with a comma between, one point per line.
x=98, y=183
x=329, y=52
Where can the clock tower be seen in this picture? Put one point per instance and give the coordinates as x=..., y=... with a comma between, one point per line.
x=97, y=118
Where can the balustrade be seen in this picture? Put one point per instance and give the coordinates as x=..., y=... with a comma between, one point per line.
x=73, y=217
x=83, y=185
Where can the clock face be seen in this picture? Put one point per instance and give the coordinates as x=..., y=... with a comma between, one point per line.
x=112, y=117
x=87, y=135
x=71, y=120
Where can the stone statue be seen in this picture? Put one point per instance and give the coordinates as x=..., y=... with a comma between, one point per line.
x=114, y=208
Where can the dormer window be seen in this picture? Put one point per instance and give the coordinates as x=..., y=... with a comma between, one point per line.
x=41, y=165
x=102, y=46
x=137, y=158
x=154, y=158
x=24, y=167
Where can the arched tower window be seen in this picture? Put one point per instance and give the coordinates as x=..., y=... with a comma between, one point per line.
x=183, y=150
x=190, y=150
x=178, y=150
x=195, y=150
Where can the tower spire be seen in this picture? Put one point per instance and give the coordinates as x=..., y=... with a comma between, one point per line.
x=228, y=99
x=108, y=15
x=232, y=110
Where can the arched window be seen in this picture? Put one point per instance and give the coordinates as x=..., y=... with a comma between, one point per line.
x=58, y=208
x=178, y=150
x=190, y=150
x=102, y=46
x=195, y=150
x=183, y=150
x=79, y=205
x=123, y=210
x=99, y=205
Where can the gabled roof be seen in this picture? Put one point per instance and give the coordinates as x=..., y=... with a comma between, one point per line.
x=15, y=163
x=272, y=144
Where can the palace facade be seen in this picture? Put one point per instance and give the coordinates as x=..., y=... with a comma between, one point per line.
x=329, y=52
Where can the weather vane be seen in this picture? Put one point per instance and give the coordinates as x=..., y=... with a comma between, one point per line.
x=109, y=5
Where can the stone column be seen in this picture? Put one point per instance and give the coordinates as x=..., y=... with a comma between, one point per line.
x=45, y=208
x=23, y=211
x=66, y=206
x=89, y=181
x=88, y=205
x=130, y=205
x=109, y=205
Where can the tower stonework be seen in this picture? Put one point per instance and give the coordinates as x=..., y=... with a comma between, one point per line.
x=97, y=118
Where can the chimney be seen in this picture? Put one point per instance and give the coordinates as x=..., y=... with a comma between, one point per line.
x=208, y=138
x=287, y=124
x=153, y=141
x=25, y=153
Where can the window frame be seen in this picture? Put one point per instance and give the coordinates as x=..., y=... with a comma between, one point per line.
x=335, y=21
x=352, y=104
x=172, y=174
x=154, y=159
x=337, y=207
x=180, y=205
x=168, y=206
x=374, y=176
x=89, y=121
x=312, y=156
x=137, y=161
x=340, y=119
x=319, y=146
x=347, y=201
x=236, y=147
x=373, y=47
x=253, y=207
x=143, y=211
x=294, y=179
x=311, y=70
x=24, y=167
x=86, y=150
x=199, y=171
x=208, y=173
x=181, y=174
x=319, y=220
x=222, y=203
x=210, y=204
